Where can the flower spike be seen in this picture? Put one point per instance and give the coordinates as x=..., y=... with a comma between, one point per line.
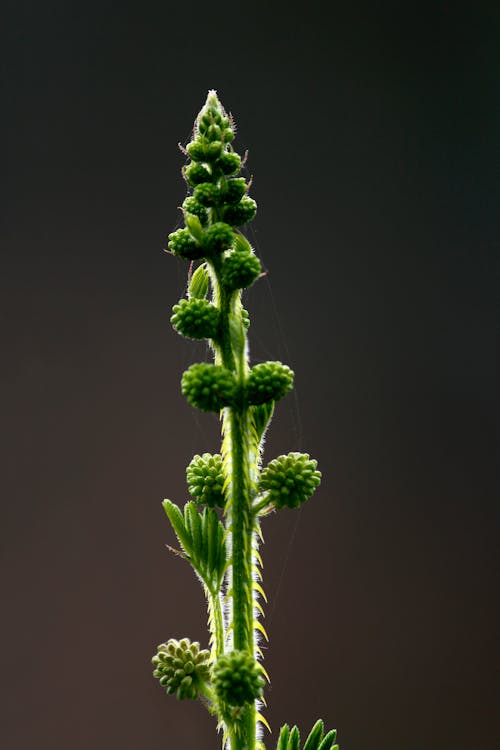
x=219, y=529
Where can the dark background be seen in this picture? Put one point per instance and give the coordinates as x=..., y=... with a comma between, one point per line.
x=371, y=135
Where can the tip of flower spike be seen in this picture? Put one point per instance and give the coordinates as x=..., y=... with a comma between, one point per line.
x=212, y=99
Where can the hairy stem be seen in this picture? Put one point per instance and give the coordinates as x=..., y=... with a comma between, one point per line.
x=238, y=459
x=217, y=619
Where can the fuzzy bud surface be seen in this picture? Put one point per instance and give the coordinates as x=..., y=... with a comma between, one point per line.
x=237, y=678
x=181, y=243
x=268, y=381
x=205, y=480
x=195, y=319
x=208, y=387
x=181, y=667
x=290, y=480
x=240, y=270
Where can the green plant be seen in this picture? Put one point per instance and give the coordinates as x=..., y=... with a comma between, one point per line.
x=221, y=542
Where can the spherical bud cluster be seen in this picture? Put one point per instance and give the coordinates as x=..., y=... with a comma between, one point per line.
x=241, y=212
x=196, y=150
x=229, y=162
x=207, y=194
x=206, y=151
x=205, y=480
x=196, y=173
x=195, y=319
x=268, y=381
x=218, y=237
x=182, y=244
x=213, y=150
x=237, y=678
x=192, y=206
x=235, y=190
x=290, y=480
x=181, y=667
x=208, y=387
x=240, y=270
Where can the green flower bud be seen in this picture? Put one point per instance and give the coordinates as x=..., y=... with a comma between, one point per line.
x=235, y=190
x=196, y=150
x=240, y=270
x=245, y=318
x=182, y=668
x=196, y=174
x=191, y=206
x=237, y=678
x=211, y=114
x=229, y=162
x=205, y=480
x=213, y=150
x=182, y=244
x=195, y=319
x=218, y=238
x=228, y=135
x=198, y=286
x=290, y=480
x=193, y=223
x=214, y=132
x=204, y=121
x=241, y=212
x=268, y=381
x=208, y=387
x=206, y=194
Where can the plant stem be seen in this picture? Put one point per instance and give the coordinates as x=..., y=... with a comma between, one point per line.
x=238, y=457
x=218, y=622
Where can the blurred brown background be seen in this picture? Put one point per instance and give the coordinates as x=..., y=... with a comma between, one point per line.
x=371, y=137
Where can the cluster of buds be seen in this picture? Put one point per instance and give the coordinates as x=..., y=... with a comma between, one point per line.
x=220, y=540
x=237, y=678
x=182, y=668
x=290, y=480
x=205, y=480
x=195, y=319
x=219, y=202
x=212, y=387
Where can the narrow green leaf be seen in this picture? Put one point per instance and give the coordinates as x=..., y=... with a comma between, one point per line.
x=212, y=541
x=222, y=552
x=283, y=738
x=294, y=739
x=203, y=556
x=237, y=334
x=315, y=736
x=176, y=519
x=241, y=244
x=262, y=415
x=198, y=286
x=193, y=523
x=194, y=225
x=328, y=740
